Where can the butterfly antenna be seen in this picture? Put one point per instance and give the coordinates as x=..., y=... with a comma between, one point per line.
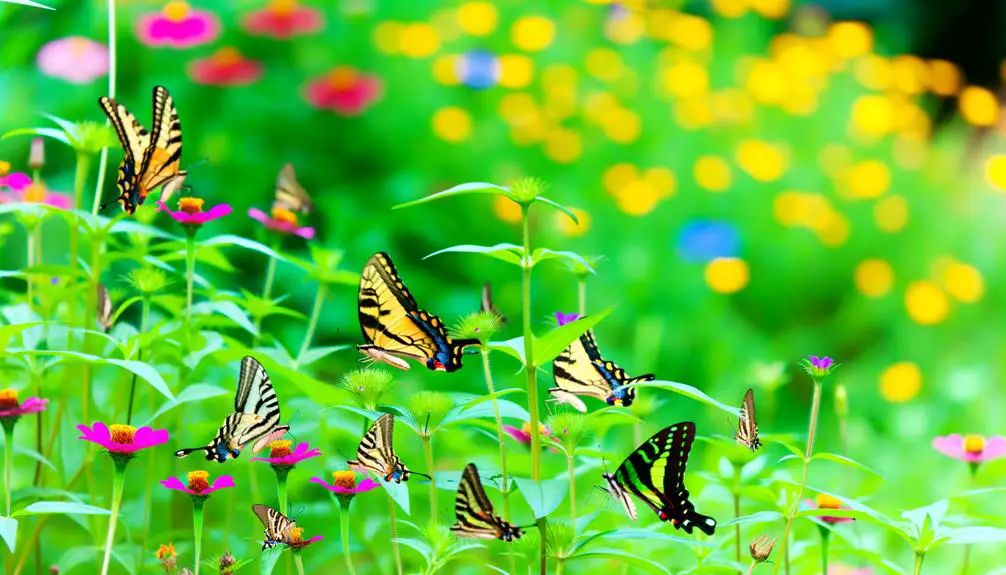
x=421, y=474
x=197, y=164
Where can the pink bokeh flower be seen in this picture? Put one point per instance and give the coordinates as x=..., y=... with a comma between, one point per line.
x=198, y=483
x=226, y=67
x=38, y=193
x=846, y=570
x=523, y=435
x=283, y=19
x=345, y=483
x=280, y=454
x=76, y=59
x=190, y=211
x=344, y=90
x=972, y=448
x=178, y=26
x=282, y=220
x=824, y=501
x=119, y=438
x=16, y=181
x=10, y=407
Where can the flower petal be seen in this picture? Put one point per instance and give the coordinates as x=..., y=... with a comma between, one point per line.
x=257, y=214
x=146, y=437
x=176, y=484
x=995, y=448
x=951, y=445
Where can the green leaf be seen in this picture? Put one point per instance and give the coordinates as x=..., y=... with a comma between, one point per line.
x=510, y=253
x=9, y=331
x=145, y=372
x=542, y=254
x=621, y=556
x=191, y=393
x=268, y=560
x=228, y=309
x=688, y=391
x=61, y=507
x=512, y=347
x=479, y=408
x=549, y=346
x=760, y=517
x=232, y=240
x=45, y=132
x=8, y=530
x=976, y=534
x=542, y=496
x=399, y=492
x=316, y=353
x=845, y=461
x=458, y=190
x=558, y=206
x=796, y=451
x=417, y=545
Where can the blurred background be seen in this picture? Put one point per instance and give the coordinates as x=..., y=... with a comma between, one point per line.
x=764, y=179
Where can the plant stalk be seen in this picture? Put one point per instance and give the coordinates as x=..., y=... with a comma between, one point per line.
x=570, y=462
x=118, y=484
x=919, y=558
x=487, y=369
x=427, y=442
x=319, y=301
x=103, y=159
x=144, y=316
x=8, y=462
x=190, y=277
x=270, y=277
x=582, y=296
x=344, y=521
x=197, y=530
x=281, y=489
x=394, y=535
x=737, y=511
x=825, y=533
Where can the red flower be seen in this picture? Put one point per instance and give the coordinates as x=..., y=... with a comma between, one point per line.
x=283, y=19
x=226, y=67
x=344, y=90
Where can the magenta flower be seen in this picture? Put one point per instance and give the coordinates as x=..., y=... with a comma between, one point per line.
x=345, y=483
x=283, y=19
x=190, y=211
x=280, y=453
x=824, y=501
x=972, y=448
x=846, y=570
x=283, y=221
x=523, y=435
x=38, y=193
x=15, y=182
x=178, y=26
x=199, y=483
x=564, y=318
x=10, y=407
x=119, y=438
x=344, y=90
x=819, y=366
x=225, y=67
x=76, y=59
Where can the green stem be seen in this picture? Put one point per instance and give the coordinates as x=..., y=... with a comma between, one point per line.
x=8, y=461
x=37, y=379
x=570, y=461
x=815, y=409
x=487, y=369
x=560, y=563
x=394, y=535
x=737, y=511
x=190, y=277
x=144, y=316
x=824, y=549
x=281, y=491
x=103, y=160
x=919, y=557
x=427, y=442
x=118, y=483
x=582, y=296
x=30, y=233
x=197, y=529
x=270, y=277
x=298, y=562
x=751, y=568
x=344, y=520
x=319, y=301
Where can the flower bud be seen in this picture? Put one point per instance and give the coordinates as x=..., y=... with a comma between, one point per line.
x=36, y=155
x=761, y=548
x=227, y=563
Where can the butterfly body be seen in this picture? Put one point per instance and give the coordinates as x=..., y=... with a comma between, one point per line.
x=580, y=370
x=395, y=328
x=655, y=473
x=747, y=426
x=150, y=160
x=474, y=512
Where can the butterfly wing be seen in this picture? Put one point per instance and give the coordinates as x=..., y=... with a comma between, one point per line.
x=487, y=303
x=621, y=495
x=474, y=511
x=162, y=157
x=376, y=451
x=277, y=526
x=135, y=141
x=747, y=426
x=290, y=194
x=574, y=372
x=104, y=308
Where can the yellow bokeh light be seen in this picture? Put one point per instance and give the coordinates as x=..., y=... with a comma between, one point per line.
x=872, y=115
x=446, y=23
x=516, y=71
x=693, y=113
x=727, y=275
x=604, y=64
x=801, y=100
x=834, y=159
x=559, y=78
x=963, y=282
x=926, y=303
x=910, y=74
x=891, y=214
x=690, y=32
x=874, y=72
x=767, y=82
x=686, y=79
x=533, y=33
x=850, y=39
x=761, y=160
x=662, y=180
x=568, y=227
x=598, y=105
x=792, y=208
x=730, y=8
x=833, y=229
x=515, y=106
x=869, y=179
x=712, y=173
x=995, y=171
x=507, y=210
x=638, y=198
x=978, y=106
x=419, y=40
x=626, y=28
x=445, y=70
x=477, y=18
x=563, y=145
x=618, y=177
x=874, y=278
x=770, y=8
x=452, y=124
x=732, y=105
x=622, y=126
x=946, y=78
x=388, y=36
x=900, y=382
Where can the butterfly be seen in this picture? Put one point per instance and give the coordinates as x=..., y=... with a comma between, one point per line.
x=104, y=308
x=255, y=417
x=747, y=427
x=487, y=303
x=278, y=527
x=376, y=452
x=290, y=194
x=580, y=370
x=655, y=473
x=394, y=326
x=474, y=511
x=149, y=160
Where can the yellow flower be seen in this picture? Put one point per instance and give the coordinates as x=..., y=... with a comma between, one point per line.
x=978, y=106
x=926, y=303
x=199, y=481
x=284, y=215
x=974, y=444
x=165, y=551
x=280, y=448
x=452, y=124
x=122, y=434
x=874, y=277
x=345, y=479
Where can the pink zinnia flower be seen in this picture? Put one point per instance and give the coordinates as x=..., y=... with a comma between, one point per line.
x=824, y=501
x=37, y=193
x=846, y=570
x=199, y=483
x=564, y=318
x=345, y=483
x=971, y=448
x=14, y=182
x=178, y=26
x=76, y=59
x=226, y=67
x=11, y=407
x=283, y=19
x=523, y=435
x=191, y=211
x=283, y=221
x=280, y=454
x=344, y=90
x=119, y=438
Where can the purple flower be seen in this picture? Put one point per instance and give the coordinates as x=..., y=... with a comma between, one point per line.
x=199, y=483
x=564, y=318
x=191, y=212
x=119, y=438
x=283, y=221
x=971, y=448
x=819, y=366
x=178, y=26
x=281, y=455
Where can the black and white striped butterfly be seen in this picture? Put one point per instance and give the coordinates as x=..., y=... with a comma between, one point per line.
x=255, y=417
x=377, y=452
x=488, y=305
x=474, y=512
x=278, y=527
x=747, y=427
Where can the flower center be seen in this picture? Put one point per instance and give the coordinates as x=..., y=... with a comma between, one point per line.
x=828, y=502
x=166, y=551
x=345, y=479
x=4, y=168
x=296, y=535
x=8, y=399
x=199, y=481
x=35, y=193
x=79, y=46
x=191, y=205
x=974, y=444
x=282, y=7
x=284, y=215
x=177, y=10
x=122, y=434
x=280, y=448
x=542, y=430
x=342, y=78
x=227, y=56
